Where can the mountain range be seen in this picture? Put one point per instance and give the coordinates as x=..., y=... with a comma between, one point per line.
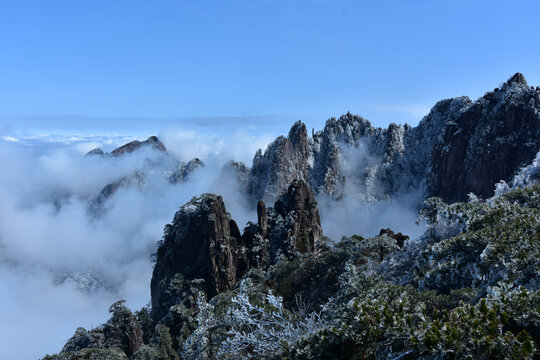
x=278, y=288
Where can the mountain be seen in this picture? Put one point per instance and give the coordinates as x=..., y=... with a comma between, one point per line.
x=497, y=135
x=469, y=287
x=130, y=147
x=152, y=141
x=459, y=147
x=178, y=174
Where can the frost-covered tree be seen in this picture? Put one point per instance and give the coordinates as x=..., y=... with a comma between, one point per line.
x=255, y=327
x=261, y=331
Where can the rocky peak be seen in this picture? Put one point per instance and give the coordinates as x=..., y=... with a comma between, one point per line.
x=96, y=205
x=298, y=208
x=183, y=171
x=152, y=141
x=395, y=136
x=298, y=135
x=236, y=171
x=202, y=242
x=285, y=159
x=348, y=129
x=96, y=151
x=121, y=331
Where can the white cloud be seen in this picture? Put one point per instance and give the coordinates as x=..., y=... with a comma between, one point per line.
x=10, y=139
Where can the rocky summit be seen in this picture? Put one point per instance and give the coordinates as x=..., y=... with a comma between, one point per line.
x=467, y=288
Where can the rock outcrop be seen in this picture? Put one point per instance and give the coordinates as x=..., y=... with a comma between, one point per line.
x=297, y=213
x=236, y=171
x=285, y=159
x=399, y=237
x=203, y=246
x=489, y=142
x=96, y=205
x=121, y=332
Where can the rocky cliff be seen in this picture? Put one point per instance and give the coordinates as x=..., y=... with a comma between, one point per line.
x=499, y=133
x=456, y=149
x=285, y=159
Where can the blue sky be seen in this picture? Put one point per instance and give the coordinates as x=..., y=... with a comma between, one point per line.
x=142, y=65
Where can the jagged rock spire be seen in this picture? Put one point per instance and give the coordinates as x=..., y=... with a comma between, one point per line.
x=203, y=242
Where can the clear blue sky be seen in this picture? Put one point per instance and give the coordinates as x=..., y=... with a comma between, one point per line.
x=280, y=60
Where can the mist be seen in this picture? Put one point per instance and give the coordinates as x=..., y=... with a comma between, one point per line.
x=353, y=215
x=364, y=208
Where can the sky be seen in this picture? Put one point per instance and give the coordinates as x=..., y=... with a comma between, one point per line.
x=135, y=67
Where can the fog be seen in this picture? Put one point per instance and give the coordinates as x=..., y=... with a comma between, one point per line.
x=364, y=208
x=62, y=266
x=352, y=215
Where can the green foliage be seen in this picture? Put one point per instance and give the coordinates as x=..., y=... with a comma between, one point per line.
x=390, y=319
x=499, y=241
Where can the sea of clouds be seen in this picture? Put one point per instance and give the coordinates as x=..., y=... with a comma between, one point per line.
x=62, y=266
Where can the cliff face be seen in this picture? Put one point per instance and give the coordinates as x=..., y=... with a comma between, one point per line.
x=497, y=135
x=299, y=205
x=184, y=170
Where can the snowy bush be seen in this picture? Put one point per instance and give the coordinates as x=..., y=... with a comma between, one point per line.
x=252, y=329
